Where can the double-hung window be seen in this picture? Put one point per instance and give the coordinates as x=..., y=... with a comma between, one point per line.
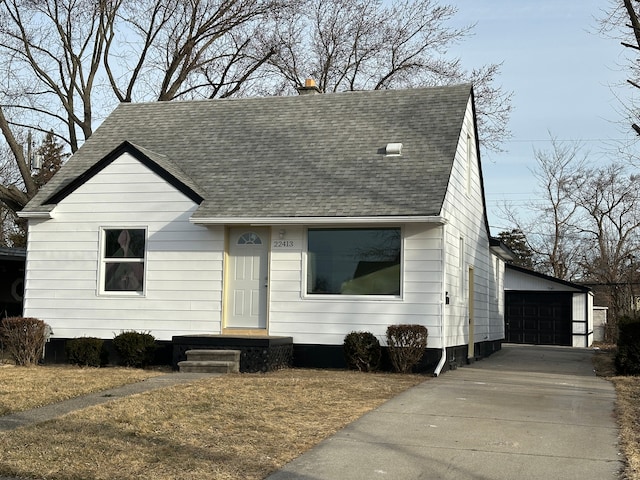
x=123, y=255
x=354, y=261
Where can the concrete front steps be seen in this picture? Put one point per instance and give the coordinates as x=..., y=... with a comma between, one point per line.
x=211, y=361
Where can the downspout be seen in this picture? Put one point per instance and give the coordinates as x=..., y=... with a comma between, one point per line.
x=443, y=306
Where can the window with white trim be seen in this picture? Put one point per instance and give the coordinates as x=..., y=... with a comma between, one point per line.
x=122, y=257
x=353, y=261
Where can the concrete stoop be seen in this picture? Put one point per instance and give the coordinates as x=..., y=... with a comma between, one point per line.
x=211, y=361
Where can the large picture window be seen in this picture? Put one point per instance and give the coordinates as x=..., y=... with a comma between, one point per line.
x=123, y=259
x=354, y=261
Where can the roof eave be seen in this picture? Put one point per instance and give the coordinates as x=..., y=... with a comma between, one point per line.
x=36, y=214
x=500, y=249
x=261, y=221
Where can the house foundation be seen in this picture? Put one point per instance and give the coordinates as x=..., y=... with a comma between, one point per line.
x=257, y=353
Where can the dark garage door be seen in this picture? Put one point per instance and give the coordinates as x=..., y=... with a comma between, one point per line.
x=538, y=318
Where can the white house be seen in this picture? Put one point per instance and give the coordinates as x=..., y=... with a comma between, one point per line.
x=302, y=217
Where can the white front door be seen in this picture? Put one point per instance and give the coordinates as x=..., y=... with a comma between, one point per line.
x=247, y=276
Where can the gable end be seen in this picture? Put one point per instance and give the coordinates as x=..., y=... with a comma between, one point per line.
x=566, y=283
x=125, y=147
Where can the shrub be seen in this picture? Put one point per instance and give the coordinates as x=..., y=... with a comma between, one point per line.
x=23, y=339
x=135, y=349
x=407, y=344
x=362, y=351
x=628, y=357
x=86, y=351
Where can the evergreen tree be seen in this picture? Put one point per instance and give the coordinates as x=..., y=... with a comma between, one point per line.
x=51, y=155
x=517, y=243
x=47, y=160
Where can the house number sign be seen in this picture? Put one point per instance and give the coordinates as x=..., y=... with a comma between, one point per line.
x=284, y=244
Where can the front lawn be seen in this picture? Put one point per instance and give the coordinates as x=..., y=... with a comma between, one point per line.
x=627, y=410
x=24, y=388
x=229, y=427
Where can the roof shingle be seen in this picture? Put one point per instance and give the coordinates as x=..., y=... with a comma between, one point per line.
x=303, y=156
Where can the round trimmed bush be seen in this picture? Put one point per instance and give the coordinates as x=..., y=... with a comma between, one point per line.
x=362, y=351
x=135, y=349
x=86, y=352
x=407, y=344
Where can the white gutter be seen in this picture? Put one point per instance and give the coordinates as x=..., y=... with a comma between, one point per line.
x=443, y=307
x=262, y=221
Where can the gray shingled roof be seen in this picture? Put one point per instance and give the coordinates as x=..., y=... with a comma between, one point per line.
x=301, y=156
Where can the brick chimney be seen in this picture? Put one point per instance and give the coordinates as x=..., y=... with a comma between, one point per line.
x=310, y=88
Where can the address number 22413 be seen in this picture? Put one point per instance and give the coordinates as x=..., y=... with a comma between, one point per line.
x=283, y=244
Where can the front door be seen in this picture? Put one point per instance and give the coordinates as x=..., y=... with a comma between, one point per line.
x=247, y=277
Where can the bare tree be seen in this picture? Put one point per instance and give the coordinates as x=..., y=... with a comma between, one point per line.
x=610, y=223
x=13, y=194
x=64, y=64
x=51, y=55
x=622, y=22
x=586, y=227
x=550, y=224
x=368, y=45
x=10, y=230
x=188, y=48
x=49, y=59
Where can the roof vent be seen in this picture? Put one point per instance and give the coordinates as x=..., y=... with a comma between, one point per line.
x=393, y=149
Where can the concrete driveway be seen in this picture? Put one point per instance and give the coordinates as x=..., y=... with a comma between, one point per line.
x=526, y=412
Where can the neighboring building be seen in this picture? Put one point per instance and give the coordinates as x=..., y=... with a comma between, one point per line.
x=12, y=262
x=544, y=310
x=301, y=217
x=600, y=323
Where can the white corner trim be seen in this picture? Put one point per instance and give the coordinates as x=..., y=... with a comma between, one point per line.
x=317, y=220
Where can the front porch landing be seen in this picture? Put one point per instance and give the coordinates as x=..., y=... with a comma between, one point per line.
x=257, y=353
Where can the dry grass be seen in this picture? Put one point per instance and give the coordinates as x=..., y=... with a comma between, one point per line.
x=236, y=426
x=23, y=388
x=627, y=410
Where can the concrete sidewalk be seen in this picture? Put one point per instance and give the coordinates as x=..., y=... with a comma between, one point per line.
x=524, y=413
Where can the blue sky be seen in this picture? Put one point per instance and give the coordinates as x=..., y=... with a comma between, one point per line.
x=561, y=72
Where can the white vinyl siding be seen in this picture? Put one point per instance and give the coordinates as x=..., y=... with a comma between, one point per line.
x=312, y=320
x=470, y=154
x=464, y=209
x=496, y=295
x=516, y=280
x=183, y=282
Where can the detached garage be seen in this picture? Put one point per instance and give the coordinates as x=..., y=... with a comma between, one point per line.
x=543, y=310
